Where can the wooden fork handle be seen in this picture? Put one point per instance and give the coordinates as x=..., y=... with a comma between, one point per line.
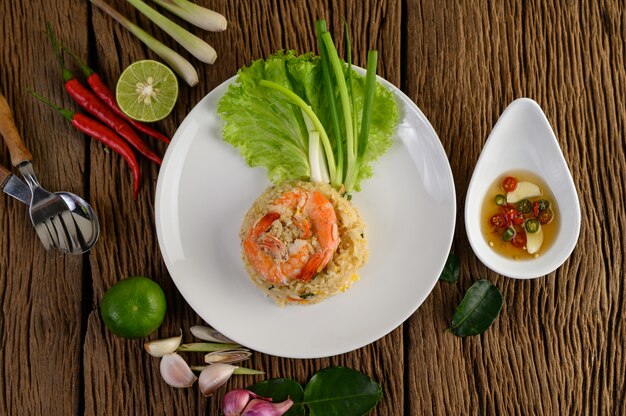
x=17, y=148
x=4, y=175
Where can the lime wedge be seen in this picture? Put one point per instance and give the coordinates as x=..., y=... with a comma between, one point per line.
x=147, y=91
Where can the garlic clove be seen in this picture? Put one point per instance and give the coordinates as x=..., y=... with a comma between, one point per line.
x=236, y=400
x=176, y=372
x=524, y=190
x=161, y=347
x=214, y=376
x=206, y=333
x=258, y=407
x=227, y=357
x=534, y=241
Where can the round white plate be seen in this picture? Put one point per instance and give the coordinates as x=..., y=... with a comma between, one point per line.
x=409, y=208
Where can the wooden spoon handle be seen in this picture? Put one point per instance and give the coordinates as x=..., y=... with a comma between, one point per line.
x=4, y=175
x=17, y=148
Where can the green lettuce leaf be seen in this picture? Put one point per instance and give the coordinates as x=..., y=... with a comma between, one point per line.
x=270, y=131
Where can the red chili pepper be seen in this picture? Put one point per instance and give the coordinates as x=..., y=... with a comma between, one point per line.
x=102, y=134
x=105, y=94
x=90, y=102
x=536, y=209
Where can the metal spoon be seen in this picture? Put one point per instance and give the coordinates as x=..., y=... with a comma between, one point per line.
x=85, y=219
x=83, y=215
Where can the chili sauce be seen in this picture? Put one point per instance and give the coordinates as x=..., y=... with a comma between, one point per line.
x=517, y=211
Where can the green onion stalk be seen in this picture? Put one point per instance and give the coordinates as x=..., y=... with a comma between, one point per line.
x=317, y=124
x=368, y=100
x=330, y=99
x=337, y=68
x=179, y=64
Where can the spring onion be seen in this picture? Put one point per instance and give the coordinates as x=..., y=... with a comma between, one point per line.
x=317, y=124
x=317, y=163
x=355, y=139
x=196, y=46
x=273, y=132
x=332, y=107
x=196, y=15
x=179, y=64
x=337, y=68
x=349, y=80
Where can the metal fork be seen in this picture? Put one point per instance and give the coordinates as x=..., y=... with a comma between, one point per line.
x=49, y=214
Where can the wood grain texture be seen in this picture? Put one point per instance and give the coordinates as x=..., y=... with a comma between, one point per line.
x=40, y=293
x=128, y=245
x=557, y=348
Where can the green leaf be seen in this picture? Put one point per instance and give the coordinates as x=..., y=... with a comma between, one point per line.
x=451, y=270
x=267, y=128
x=279, y=389
x=478, y=309
x=339, y=391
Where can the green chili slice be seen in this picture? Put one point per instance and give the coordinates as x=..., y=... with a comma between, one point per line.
x=524, y=206
x=500, y=199
x=508, y=234
x=544, y=204
x=532, y=225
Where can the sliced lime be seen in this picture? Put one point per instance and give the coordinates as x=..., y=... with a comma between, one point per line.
x=147, y=91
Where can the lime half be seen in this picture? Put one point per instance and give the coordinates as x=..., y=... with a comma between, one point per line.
x=134, y=307
x=147, y=91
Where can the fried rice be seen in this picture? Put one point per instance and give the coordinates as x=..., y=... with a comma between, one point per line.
x=340, y=272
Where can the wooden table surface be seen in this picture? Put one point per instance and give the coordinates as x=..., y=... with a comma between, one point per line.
x=559, y=346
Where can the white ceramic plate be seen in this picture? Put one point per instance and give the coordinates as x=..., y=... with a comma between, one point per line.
x=409, y=207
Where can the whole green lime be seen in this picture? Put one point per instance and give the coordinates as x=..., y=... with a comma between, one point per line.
x=134, y=307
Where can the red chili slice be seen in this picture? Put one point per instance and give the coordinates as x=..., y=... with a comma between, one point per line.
x=518, y=218
x=508, y=210
x=509, y=184
x=536, y=209
x=499, y=221
x=519, y=240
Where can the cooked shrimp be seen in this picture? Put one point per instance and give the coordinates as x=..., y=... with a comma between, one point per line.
x=283, y=258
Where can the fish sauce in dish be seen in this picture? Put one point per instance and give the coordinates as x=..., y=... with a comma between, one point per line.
x=519, y=216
